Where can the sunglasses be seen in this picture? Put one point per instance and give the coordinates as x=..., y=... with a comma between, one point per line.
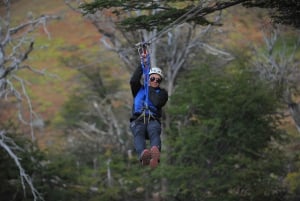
x=152, y=79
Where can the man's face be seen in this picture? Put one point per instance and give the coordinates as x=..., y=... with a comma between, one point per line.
x=155, y=80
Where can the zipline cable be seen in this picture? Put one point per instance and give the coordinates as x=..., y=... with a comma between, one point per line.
x=191, y=13
x=188, y=15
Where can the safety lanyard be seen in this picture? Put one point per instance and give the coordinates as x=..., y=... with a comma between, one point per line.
x=146, y=66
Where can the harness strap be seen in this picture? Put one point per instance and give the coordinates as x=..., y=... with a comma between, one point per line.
x=143, y=115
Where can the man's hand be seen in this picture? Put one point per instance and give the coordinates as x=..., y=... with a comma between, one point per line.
x=144, y=57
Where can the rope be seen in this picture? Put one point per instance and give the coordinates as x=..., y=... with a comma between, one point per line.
x=146, y=69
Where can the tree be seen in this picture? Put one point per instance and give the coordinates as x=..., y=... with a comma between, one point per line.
x=225, y=139
x=99, y=142
x=282, y=11
x=21, y=169
x=8, y=145
x=91, y=114
x=278, y=65
x=168, y=12
x=16, y=44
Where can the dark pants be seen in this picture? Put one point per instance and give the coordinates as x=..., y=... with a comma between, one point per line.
x=141, y=131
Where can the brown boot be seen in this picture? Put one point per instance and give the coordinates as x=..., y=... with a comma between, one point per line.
x=145, y=157
x=155, y=154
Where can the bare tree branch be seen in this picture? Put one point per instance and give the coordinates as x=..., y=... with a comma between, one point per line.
x=9, y=145
x=281, y=69
x=16, y=43
x=15, y=46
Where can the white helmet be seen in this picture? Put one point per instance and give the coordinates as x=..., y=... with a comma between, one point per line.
x=156, y=70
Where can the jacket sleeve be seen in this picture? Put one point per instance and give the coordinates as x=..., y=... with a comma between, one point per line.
x=135, y=81
x=159, y=99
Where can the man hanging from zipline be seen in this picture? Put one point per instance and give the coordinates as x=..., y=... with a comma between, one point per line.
x=148, y=100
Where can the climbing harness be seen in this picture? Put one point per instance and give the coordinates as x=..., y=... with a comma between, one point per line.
x=143, y=51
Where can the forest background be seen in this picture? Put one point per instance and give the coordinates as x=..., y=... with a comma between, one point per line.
x=230, y=129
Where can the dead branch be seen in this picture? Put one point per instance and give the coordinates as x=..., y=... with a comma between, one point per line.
x=16, y=44
x=9, y=145
x=281, y=69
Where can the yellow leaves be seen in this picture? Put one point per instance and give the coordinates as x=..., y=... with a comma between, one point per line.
x=293, y=181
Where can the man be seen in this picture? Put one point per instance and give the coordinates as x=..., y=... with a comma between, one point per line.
x=146, y=115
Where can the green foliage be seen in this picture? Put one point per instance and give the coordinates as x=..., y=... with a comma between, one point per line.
x=117, y=5
x=168, y=12
x=71, y=110
x=53, y=176
x=146, y=21
x=225, y=147
x=66, y=176
x=285, y=11
x=101, y=176
x=293, y=176
x=80, y=103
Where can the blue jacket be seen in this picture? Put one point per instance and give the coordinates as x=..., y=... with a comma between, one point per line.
x=157, y=97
